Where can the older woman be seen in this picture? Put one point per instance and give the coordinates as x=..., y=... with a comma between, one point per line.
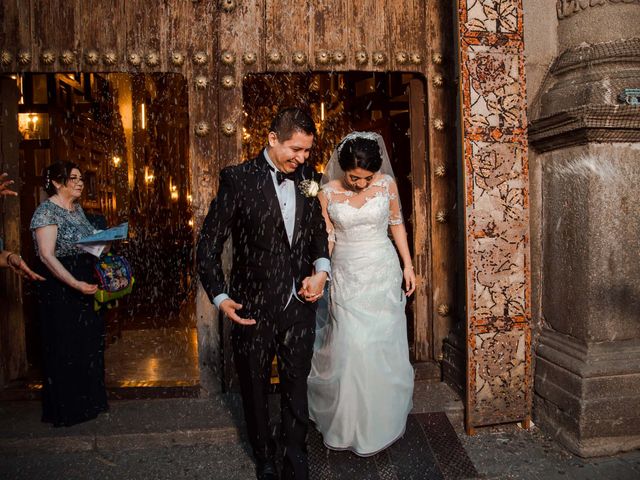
x=72, y=333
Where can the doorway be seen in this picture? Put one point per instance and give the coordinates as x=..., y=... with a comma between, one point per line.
x=129, y=134
x=388, y=103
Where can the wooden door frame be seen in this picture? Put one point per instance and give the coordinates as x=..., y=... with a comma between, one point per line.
x=245, y=48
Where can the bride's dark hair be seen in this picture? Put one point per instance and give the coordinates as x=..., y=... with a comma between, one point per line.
x=360, y=153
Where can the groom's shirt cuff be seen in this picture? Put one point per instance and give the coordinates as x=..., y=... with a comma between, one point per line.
x=218, y=299
x=323, y=265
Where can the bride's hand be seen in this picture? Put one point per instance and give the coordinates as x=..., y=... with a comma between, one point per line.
x=313, y=286
x=409, y=280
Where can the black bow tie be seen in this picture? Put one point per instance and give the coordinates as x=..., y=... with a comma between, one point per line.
x=281, y=177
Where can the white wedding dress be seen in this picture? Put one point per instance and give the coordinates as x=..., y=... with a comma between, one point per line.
x=361, y=383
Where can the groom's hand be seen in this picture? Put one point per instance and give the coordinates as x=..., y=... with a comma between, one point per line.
x=313, y=286
x=229, y=307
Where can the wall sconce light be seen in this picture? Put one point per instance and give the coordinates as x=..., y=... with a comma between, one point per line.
x=116, y=161
x=33, y=126
x=148, y=175
x=190, y=222
x=143, y=117
x=322, y=111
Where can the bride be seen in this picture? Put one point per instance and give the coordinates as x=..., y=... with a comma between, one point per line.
x=361, y=382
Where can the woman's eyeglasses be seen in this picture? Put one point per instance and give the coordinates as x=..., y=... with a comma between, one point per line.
x=75, y=179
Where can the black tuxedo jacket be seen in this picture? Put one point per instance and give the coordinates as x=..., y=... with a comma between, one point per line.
x=264, y=264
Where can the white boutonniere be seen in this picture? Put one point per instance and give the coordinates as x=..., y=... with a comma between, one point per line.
x=309, y=188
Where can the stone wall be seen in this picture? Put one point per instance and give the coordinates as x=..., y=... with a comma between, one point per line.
x=585, y=169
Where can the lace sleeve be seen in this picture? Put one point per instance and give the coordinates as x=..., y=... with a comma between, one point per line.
x=395, y=211
x=325, y=197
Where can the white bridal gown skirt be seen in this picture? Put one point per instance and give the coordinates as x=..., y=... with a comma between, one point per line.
x=361, y=380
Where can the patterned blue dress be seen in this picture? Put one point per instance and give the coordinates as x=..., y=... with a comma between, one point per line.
x=72, y=332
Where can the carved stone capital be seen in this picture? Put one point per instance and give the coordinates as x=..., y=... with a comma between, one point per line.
x=569, y=8
x=586, y=124
x=582, y=97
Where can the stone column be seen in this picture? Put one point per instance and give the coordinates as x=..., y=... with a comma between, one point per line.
x=586, y=131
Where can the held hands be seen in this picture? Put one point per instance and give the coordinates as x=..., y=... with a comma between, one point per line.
x=409, y=280
x=229, y=307
x=313, y=286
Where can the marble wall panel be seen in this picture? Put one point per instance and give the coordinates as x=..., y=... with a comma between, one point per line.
x=496, y=194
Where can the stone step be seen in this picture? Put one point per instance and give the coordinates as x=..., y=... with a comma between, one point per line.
x=152, y=423
x=130, y=424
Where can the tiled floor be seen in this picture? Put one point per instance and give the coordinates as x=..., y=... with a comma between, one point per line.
x=158, y=357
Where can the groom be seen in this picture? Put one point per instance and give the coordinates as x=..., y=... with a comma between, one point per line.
x=280, y=266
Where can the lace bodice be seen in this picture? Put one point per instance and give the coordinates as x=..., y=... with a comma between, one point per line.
x=364, y=216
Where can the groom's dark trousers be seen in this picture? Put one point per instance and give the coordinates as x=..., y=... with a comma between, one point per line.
x=289, y=334
x=265, y=269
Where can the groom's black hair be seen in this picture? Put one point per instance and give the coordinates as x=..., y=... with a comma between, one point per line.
x=290, y=120
x=360, y=153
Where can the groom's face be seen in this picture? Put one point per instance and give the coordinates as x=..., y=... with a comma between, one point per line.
x=289, y=154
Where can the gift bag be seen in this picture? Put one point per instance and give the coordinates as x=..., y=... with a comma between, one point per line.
x=115, y=278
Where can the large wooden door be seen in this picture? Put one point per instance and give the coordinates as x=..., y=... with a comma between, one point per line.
x=267, y=36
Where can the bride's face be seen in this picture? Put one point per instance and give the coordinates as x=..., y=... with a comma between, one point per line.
x=358, y=179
